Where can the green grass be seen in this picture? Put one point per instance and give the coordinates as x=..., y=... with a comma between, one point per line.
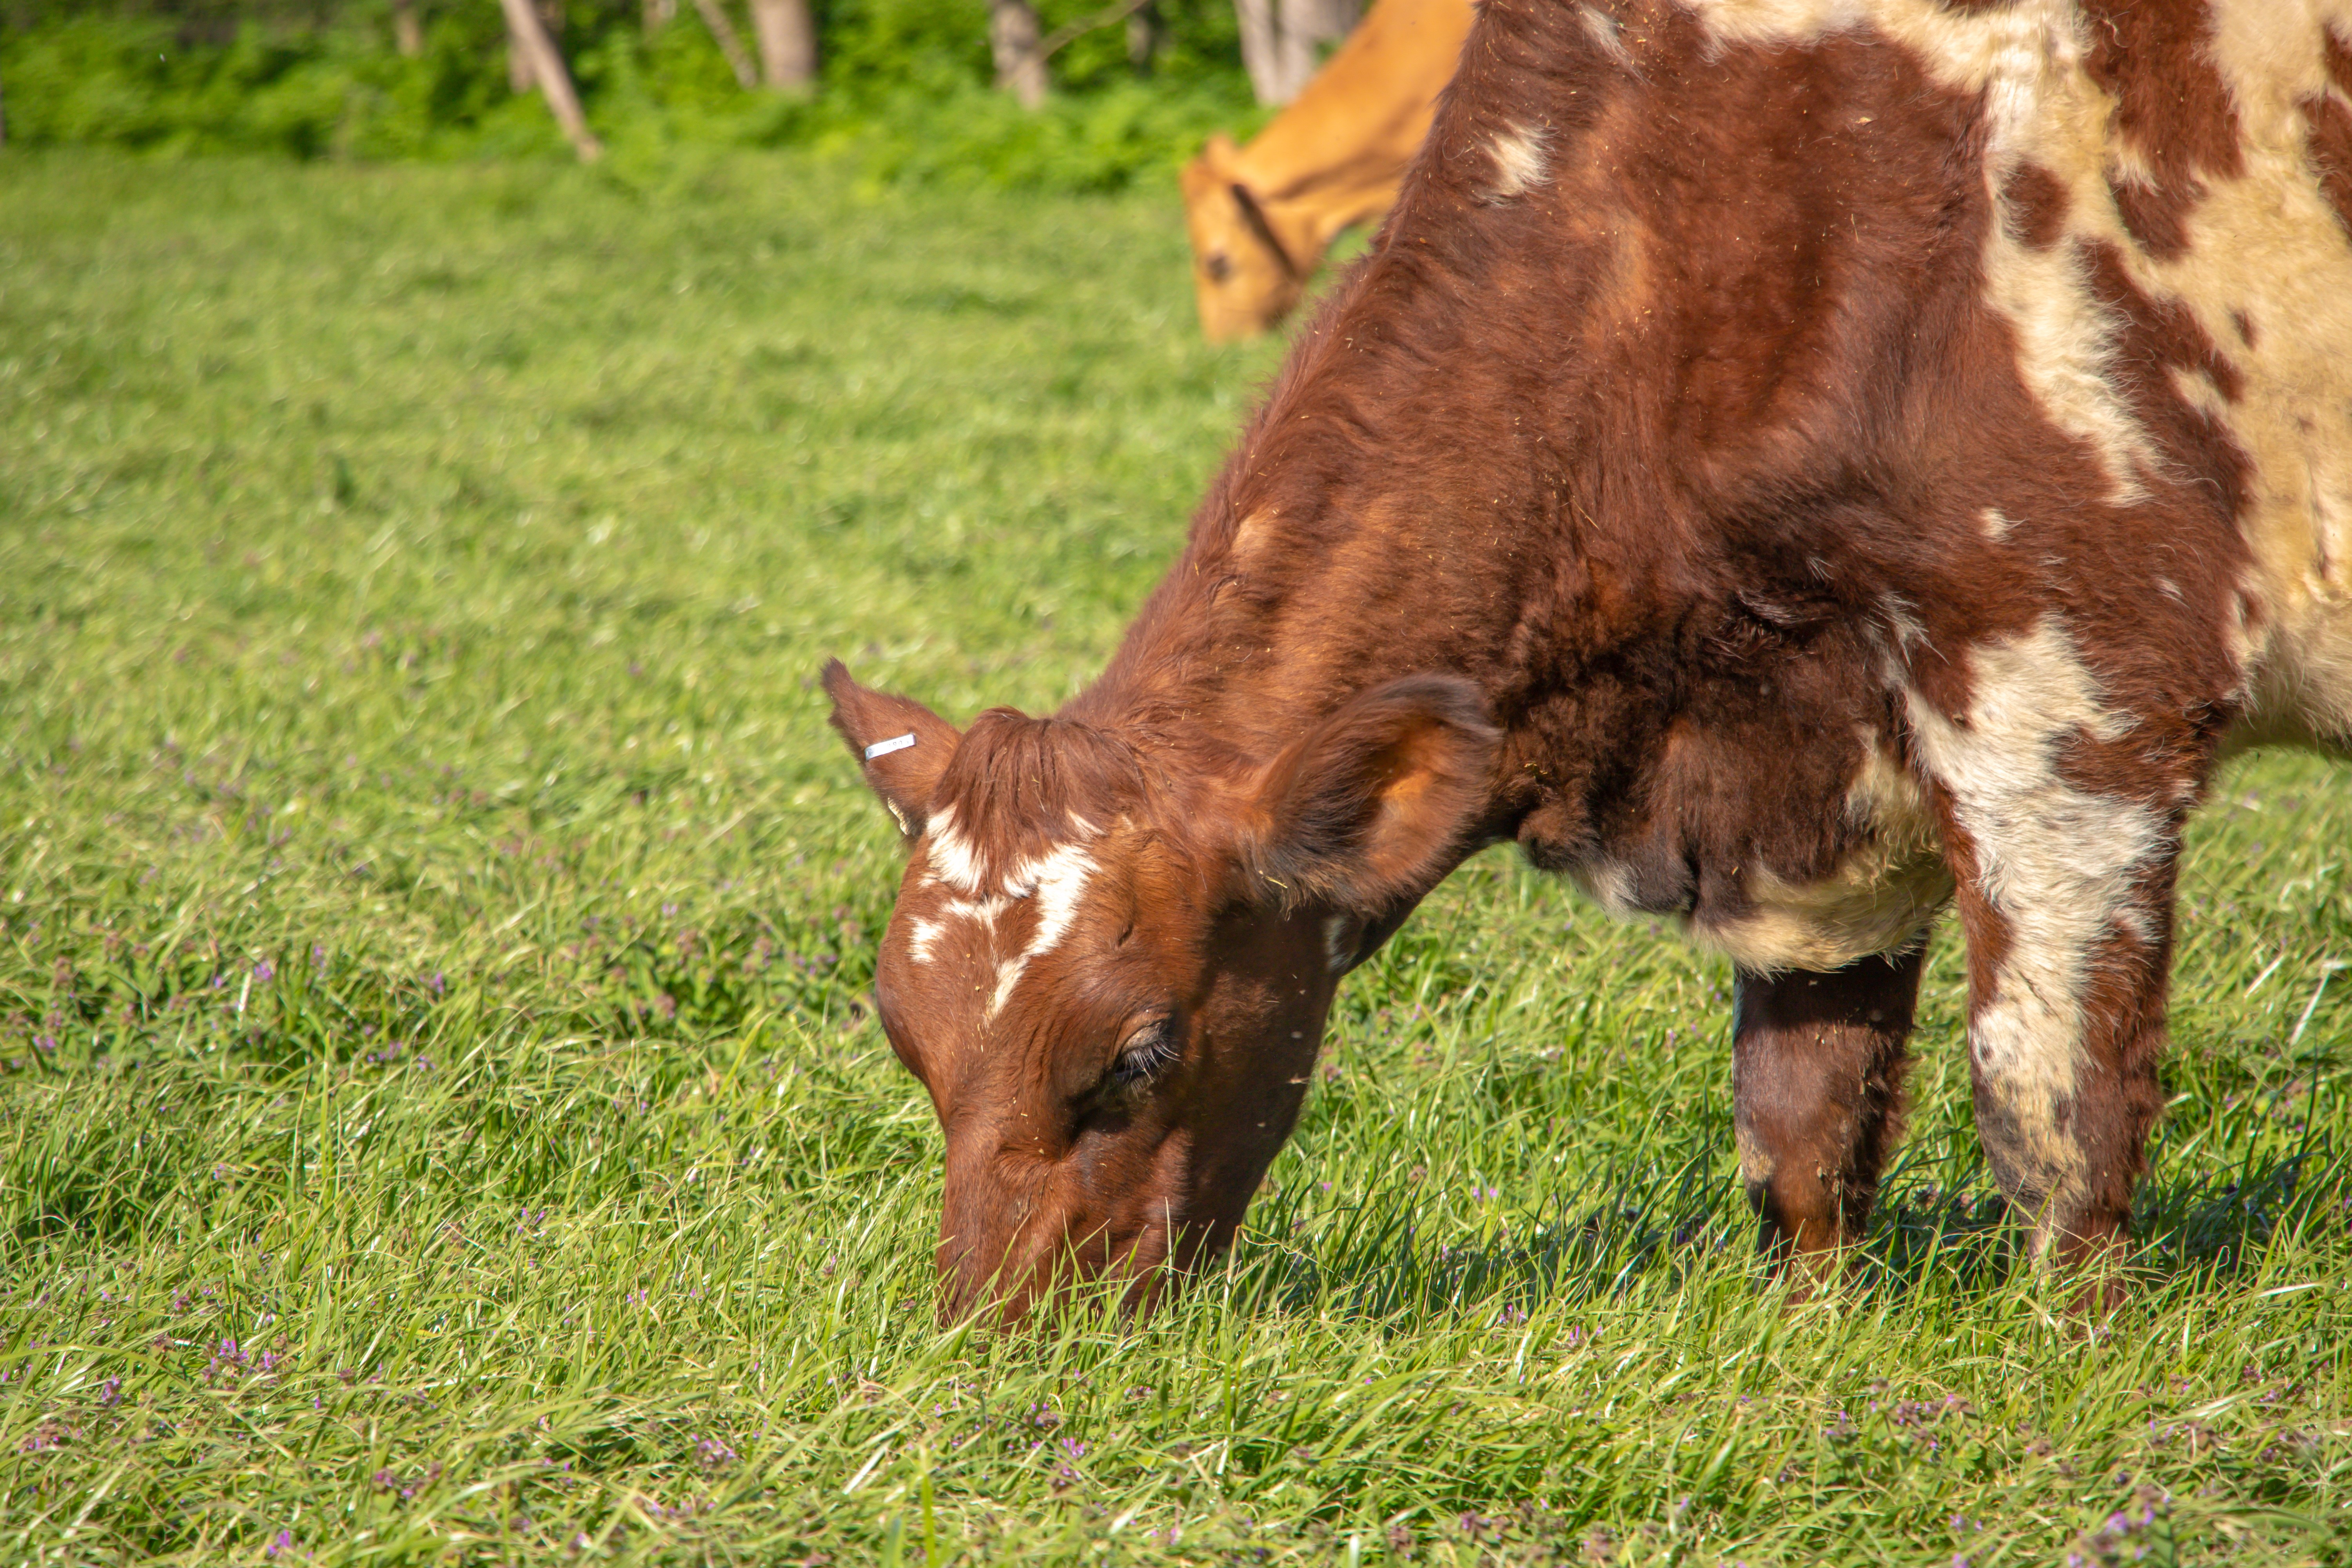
x=437, y=919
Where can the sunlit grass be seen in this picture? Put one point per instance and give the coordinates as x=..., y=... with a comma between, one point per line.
x=439, y=1118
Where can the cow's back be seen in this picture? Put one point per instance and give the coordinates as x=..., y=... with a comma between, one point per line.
x=1916, y=391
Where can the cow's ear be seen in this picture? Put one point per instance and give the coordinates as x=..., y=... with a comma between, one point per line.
x=1374, y=806
x=902, y=745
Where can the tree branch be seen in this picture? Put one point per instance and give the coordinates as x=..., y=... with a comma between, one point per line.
x=1070, y=31
x=730, y=43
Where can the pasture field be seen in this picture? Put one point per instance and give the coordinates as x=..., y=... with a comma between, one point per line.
x=438, y=1117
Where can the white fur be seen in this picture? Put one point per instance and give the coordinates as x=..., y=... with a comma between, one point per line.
x=922, y=943
x=2265, y=244
x=950, y=854
x=1876, y=899
x=1608, y=884
x=2061, y=867
x=1602, y=28
x=1055, y=882
x=1522, y=162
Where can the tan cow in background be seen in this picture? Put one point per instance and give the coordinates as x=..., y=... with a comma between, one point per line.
x=1262, y=216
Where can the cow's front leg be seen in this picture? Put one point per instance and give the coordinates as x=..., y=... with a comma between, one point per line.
x=1817, y=1096
x=2067, y=996
x=2062, y=821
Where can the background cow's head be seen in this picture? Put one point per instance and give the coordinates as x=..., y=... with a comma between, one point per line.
x=1112, y=975
x=1246, y=273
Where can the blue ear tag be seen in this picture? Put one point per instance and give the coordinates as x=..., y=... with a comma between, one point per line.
x=896, y=743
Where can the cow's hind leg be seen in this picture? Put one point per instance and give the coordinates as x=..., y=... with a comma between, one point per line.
x=1817, y=1095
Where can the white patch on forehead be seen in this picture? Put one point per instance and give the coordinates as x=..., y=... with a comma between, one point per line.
x=1056, y=882
x=950, y=855
x=954, y=865
x=1521, y=161
x=2061, y=866
x=922, y=942
x=1995, y=524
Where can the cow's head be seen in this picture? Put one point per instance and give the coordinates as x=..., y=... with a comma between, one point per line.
x=1246, y=274
x=1113, y=978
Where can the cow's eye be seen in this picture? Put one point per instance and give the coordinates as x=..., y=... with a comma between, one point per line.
x=1219, y=266
x=1148, y=1050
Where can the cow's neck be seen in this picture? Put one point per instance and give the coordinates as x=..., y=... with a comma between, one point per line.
x=1334, y=554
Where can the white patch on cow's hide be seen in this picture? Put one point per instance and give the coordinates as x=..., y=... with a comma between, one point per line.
x=2024, y=63
x=1608, y=884
x=1055, y=882
x=1601, y=27
x=1522, y=162
x=1879, y=897
x=2063, y=869
x=2267, y=246
x=1995, y=524
x=1756, y=1161
x=2263, y=248
x=2066, y=355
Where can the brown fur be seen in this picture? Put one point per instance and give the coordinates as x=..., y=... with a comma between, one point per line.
x=1694, y=516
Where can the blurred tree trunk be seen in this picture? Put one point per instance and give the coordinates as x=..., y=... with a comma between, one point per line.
x=527, y=37
x=1018, y=45
x=551, y=22
x=407, y=32
x=659, y=13
x=1310, y=27
x=731, y=43
x=1284, y=42
x=1143, y=34
x=1261, y=49
x=787, y=35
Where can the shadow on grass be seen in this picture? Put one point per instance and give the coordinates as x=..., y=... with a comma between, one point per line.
x=1373, y=1261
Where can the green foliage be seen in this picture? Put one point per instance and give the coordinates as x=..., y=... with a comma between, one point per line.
x=904, y=96
x=439, y=1120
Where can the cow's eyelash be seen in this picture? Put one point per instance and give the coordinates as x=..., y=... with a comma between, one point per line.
x=1147, y=1052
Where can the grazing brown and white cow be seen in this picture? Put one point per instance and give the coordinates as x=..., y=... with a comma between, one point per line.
x=1787, y=463
x=1261, y=216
